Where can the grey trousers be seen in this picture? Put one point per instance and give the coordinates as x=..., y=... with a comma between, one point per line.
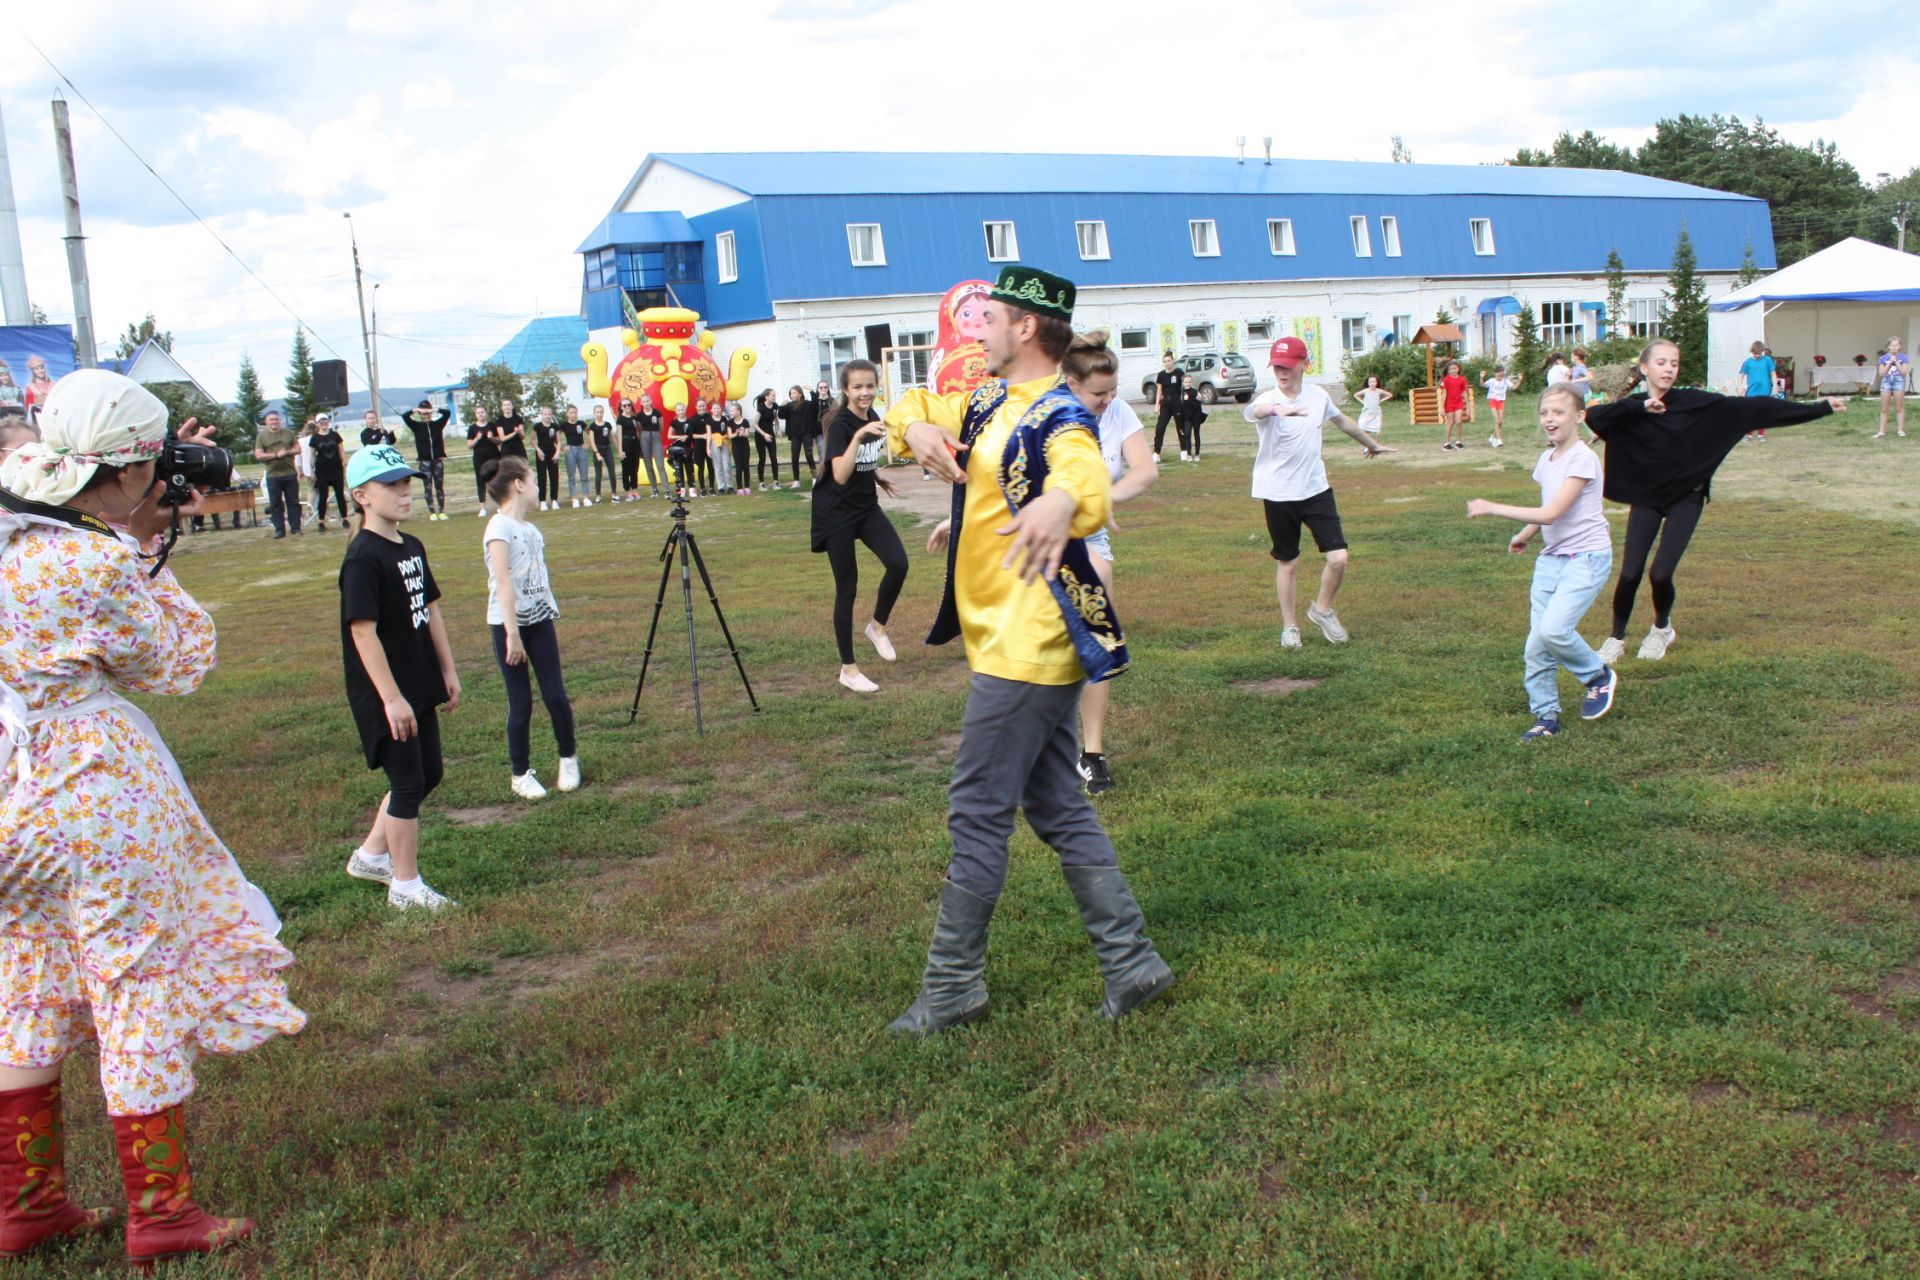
x=1019, y=748
x=654, y=459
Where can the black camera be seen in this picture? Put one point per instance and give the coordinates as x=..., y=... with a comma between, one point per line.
x=185, y=467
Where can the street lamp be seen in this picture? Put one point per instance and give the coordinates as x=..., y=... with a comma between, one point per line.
x=366, y=338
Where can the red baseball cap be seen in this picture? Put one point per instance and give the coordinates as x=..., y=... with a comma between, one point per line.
x=1287, y=353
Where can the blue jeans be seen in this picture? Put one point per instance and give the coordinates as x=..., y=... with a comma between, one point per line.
x=1564, y=588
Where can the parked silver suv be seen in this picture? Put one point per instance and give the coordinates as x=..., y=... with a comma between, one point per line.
x=1217, y=376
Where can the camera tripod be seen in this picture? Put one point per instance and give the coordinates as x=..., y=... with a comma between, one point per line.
x=681, y=537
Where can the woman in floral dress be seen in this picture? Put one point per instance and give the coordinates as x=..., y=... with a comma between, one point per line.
x=123, y=918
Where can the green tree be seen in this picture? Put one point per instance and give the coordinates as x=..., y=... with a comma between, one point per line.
x=249, y=403
x=36, y=314
x=1528, y=355
x=547, y=390
x=1687, y=312
x=184, y=401
x=137, y=334
x=1749, y=269
x=1584, y=152
x=492, y=381
x=300, y=404
x=1616, y=292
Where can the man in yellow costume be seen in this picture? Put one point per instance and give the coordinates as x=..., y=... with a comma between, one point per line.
x=1029, y=483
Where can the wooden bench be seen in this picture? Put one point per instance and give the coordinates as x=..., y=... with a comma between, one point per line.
x=224, y=501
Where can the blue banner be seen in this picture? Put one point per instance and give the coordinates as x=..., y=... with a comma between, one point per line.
x=32, y=358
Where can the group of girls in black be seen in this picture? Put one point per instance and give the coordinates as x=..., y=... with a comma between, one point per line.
x=493, y=437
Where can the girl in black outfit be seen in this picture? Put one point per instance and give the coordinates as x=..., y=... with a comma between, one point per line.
x=630, y=454
x=483, y=437
x=802, y=420
x=1663, y=447
x=329, y=470
x=600, y=445
x=546, y=459
x=738, y=430
x=695, y=430
x=766, y=445
x=846, y=510
x=511, y=430
x=1193, y=412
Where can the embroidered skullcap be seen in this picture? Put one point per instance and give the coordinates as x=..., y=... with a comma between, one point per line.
x=92, y=419
x=1040, y=292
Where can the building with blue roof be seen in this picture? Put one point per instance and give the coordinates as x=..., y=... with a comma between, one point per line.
x=799, y=254
x=549, y=342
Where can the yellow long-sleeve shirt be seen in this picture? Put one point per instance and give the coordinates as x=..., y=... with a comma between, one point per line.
x=1012, y=629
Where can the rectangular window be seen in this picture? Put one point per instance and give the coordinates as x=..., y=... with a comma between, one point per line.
x=1206, y=240
x=1353, y=334
x=1199, y=335
x=1280, y=236
x=1482, y=229
x=723, y=249
x=1002, y=244
x=1362, y=241
x=835, y=352
x=1093, y=240
x=1559, y=324
x=1136, y=339
x=1390, y=236
x=1402, y=328
x=1646, y=317
x=865, y=246
x=1259, y=331
x=912, y=368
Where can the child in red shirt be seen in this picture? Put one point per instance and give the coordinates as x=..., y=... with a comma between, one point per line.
x=1453, y=406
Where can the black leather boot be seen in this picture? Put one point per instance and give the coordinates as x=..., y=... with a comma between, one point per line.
x=954, y=989
x=1133, y=970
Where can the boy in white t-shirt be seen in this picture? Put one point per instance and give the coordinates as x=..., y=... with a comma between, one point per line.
x=1574, y=564
x=1291, y=481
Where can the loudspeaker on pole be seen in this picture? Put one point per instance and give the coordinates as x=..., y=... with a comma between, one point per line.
x=879, y=338
x=330, y=383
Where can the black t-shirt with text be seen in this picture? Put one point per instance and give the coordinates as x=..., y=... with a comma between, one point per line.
x=546, y=437
x=328, y=459
x=1168, y=383
x=510, y=443
x=602, y=435
x=837, y=507
x=390, y=583
x=576, y=432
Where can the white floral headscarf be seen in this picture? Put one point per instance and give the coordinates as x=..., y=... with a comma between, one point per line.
x=92, y=419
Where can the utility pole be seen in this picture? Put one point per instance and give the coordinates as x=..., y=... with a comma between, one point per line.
x=84, y=351
x=366, y=337
x=374, y=338
x=13, y=266
x=1905, y=207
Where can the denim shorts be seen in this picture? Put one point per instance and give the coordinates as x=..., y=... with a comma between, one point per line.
x=1100, y=544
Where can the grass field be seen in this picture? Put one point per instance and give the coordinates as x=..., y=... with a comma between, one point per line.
x=1642, y=1001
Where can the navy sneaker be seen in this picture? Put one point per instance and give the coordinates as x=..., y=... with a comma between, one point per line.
x=1599, y=698
x=1544, y=727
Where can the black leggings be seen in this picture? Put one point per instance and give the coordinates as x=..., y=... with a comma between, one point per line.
x=794, y=445
x=1167, y=414
x=542, y=644
x=630, y=468
x=321, y=484
x=546, y=472
x=413, y=767
x=1643, y=523
x=769, y=452
x=884, y=541
x=742, y=466
x=699, y=463
x=603, y=458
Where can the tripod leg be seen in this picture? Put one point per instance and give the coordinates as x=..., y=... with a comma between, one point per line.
x=732, y=649
x=659, y=600
x=693, y=646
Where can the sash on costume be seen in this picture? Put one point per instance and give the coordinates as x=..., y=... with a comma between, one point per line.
x=1091, y=622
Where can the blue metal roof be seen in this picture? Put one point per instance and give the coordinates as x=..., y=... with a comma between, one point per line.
x=550, y=340
x=639, y=228
x=819, y=173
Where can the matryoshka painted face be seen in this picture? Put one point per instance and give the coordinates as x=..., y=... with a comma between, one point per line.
x=970, y=317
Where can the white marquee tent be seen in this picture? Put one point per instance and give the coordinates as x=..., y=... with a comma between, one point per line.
x=1844, y=301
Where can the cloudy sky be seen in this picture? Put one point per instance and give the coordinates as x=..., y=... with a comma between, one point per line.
x=476, y=143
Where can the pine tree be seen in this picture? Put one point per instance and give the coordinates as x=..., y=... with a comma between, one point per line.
x=1687, y=312
x=299, y=400
x=1527, y=353
x=1616, y=293
x=248, y=401
x=1749, y=269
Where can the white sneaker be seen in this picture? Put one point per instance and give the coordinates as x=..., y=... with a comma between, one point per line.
x=1611, y=651
x=421, y=895
x=1329, y=624
x=858, y=682
x=1654, y=647
x=576, y=504
x=1290, y=638
x=881, y=643
x=528, y=787
x=377, y=867
x=1495, y=441
x=569, y=774
x=1184, y=457
x=482, y=513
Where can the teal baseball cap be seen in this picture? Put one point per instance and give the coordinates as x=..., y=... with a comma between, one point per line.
x=379, y=464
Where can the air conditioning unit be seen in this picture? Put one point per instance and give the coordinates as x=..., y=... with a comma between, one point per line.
x=1459, y=303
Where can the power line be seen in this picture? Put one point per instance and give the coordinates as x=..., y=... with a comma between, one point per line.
x=204, y=225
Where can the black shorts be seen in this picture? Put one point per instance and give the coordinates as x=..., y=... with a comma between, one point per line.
x=1318, y=513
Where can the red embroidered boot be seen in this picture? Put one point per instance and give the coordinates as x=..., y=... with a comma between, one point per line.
x=34, y=1208
x=162, y=1219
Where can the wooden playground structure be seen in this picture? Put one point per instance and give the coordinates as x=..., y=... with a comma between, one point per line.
x=1425, y=402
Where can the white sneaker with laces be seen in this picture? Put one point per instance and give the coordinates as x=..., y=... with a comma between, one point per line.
x=420, y=894
x=1328, y=623
x=858, y=682
x=528, y=787
x=1612, y=651
x=1495, y=441
x=569, y=773
x=881, y=643
x=1654, y=647
x=377, y=867
x=1290, y=638
x=576, y=504
x=482, y=513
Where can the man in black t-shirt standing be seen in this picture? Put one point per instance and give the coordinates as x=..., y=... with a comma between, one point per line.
x=1166, y=399
x=430, y=453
